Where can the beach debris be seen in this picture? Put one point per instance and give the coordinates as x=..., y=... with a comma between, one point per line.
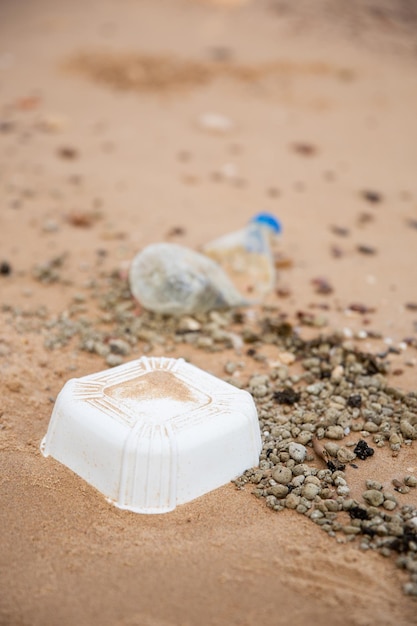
x=82, y=219
x=68, y=153
x=322, y=286
x=5, y=268
x=366, y=249
x=216, y=123
x=304, y=149
x=247, y=254
x=174, y=280
x=340, y=231
x=371, y=196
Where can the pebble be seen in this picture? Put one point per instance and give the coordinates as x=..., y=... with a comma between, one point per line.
x=310, y=491
x=189, y=324
x=282, y=475
x=408, y=430
x=230, y=367
x=279, y=491
x=119, y=346
x=216, y=123
x=292, y=501
x=373, y=497
x=410, y=481
x=331, y=448
x=344, y=455
x=114, y=359
x=374, y=484
x=297, y=451
x=351, y=530
x=335, y=432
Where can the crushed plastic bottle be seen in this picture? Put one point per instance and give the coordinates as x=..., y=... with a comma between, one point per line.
x=171, y=279
x=246, y=255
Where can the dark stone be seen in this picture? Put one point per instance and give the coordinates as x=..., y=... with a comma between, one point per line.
x=286, y=396
x=362, y=450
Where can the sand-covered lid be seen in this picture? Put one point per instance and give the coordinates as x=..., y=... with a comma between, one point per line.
x=153, y=433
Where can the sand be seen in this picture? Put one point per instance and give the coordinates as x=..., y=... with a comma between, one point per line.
x=102, y=151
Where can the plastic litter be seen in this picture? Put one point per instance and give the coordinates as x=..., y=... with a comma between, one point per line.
x=247, y=254
x=153, y=433
x=168, y=278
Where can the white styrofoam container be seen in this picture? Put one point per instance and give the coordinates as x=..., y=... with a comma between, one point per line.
x=153, y=433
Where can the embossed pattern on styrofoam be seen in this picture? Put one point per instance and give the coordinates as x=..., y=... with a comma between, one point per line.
x=153, y=433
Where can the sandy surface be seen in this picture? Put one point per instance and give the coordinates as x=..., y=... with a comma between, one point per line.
x=102, y=152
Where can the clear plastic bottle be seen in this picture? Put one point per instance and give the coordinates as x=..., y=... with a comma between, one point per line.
x=246, y=255
x=174, y=280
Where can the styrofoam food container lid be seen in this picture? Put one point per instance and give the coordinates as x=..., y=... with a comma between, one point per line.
x=153, y=433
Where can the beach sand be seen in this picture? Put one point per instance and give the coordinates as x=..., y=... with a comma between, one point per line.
x=105, y=147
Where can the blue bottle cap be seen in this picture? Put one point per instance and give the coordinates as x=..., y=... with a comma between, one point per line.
x=267, y=219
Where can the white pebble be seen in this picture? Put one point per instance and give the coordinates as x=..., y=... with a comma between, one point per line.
x=215, y=122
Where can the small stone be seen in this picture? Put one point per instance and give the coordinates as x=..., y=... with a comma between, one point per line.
x=354, y=401
x=371, y=427
x=373, y=497
x=114, y=359
x=260, y=391
x=374, y=484
x=119, y=346
x=362, y=450
x=410, y=481
x=279, y=491
x=297, y=481
x=310, y=491
x=282, y=475
x=337, y=373
x=230, y=367
x=351, y=530
x=332, y=505
x=257, y=381
x=344, y=455
x=410, y=589
x=292, y=501
x=300, y=469
x=389, y=505
x=189, y=325
x=331, y=448
x=271, y=501
x=216, y=123
x=286, y=396
x=314, y=389
x=343, y=490
x=407, y=430
x=313, y=480
x=297, y=451
x=335, y=432
x=5, y=268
